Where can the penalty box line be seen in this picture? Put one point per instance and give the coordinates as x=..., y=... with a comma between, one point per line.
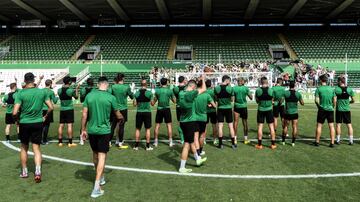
x=163, y=172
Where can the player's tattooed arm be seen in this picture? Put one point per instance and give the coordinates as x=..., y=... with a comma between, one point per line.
x=84, y=122
x=203, y=86
x=77, y=89
x=352, y=100
x=317, y=102
x=153, y=102
x=302, y=102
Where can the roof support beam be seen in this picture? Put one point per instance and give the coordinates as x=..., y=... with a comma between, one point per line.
x=207, y=7
x=69, y=5
x=119, y=10
x=295, y=9
x=339, y=9
x=4, y=18
x=164, y=13
x=250, y=11
x=31, y=10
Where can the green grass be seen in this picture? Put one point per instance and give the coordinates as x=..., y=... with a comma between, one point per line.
x=64, y=182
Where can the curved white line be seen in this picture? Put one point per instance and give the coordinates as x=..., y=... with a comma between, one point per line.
x=139, y=170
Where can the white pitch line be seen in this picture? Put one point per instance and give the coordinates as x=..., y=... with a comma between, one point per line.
x=225, y=140
x=163, y=172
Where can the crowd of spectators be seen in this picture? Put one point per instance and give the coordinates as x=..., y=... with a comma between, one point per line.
x=305, y=75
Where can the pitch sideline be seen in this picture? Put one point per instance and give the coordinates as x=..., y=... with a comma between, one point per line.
x=139, y=170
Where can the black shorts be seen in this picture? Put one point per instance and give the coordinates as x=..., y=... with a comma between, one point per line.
x=163, y=115
x=211, y=117
x=9, y=119
x=30, y=132
x=343, y=117
x=279, y=111
x=124, y=113
x=50, y=118
x=265, y=115
x=178, y=113
x=291, y=117
x=99, y=143
x=225, y=114
x=143, y=117
x=201, y=126
x=189, y=129
x=67, y=116
x=325, y=115
x=242, y=111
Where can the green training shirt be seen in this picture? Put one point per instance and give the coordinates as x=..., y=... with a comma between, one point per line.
x=9, y=99
x=186, y=103
x=210, y=91
x=240, y=93
x=31, y=102
x=143, y=98
x=100, y=104
x=343, y=98
x=292, y=99
x=223, y=96
x=326, y=95
x=201, y=105
x=122, y=92
x=84, y=91
x=163, y=95
x=264, y=99
x=176, y=91
x=50, y=93
x=66, y=104
x=279, y=92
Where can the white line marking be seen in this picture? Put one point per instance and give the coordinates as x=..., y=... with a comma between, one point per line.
x=265, y=139
x=139, y=170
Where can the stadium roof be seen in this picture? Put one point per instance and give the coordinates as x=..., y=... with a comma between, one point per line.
x=180, y=11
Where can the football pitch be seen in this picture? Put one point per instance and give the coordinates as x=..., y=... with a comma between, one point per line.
x=246, y=174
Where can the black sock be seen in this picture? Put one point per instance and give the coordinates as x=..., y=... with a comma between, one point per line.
x=7, y=137
x=233, y=140
x=200, y=150
x=45, y=132
x=272, y=142
x=220, y=141
x=70, y=140
x=147, y=145
x=259, y=142
x=293, y=139
x=137, y=144
x=18, y=135
x=121, y=132
x=60, y=140
x=283, y=138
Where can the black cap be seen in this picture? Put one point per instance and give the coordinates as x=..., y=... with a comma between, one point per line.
x=29, y=77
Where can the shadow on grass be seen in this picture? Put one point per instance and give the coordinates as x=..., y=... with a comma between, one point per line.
x=172, y=157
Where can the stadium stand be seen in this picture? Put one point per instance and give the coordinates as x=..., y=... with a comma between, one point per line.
x=325, y=44
x=353, y=78
x=230, y=45
x=38, y=46
x=130, y=77
x=8, y=76
x=133, y=45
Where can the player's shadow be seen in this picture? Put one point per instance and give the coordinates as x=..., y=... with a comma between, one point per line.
x=171, y=157
x=87, y=173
